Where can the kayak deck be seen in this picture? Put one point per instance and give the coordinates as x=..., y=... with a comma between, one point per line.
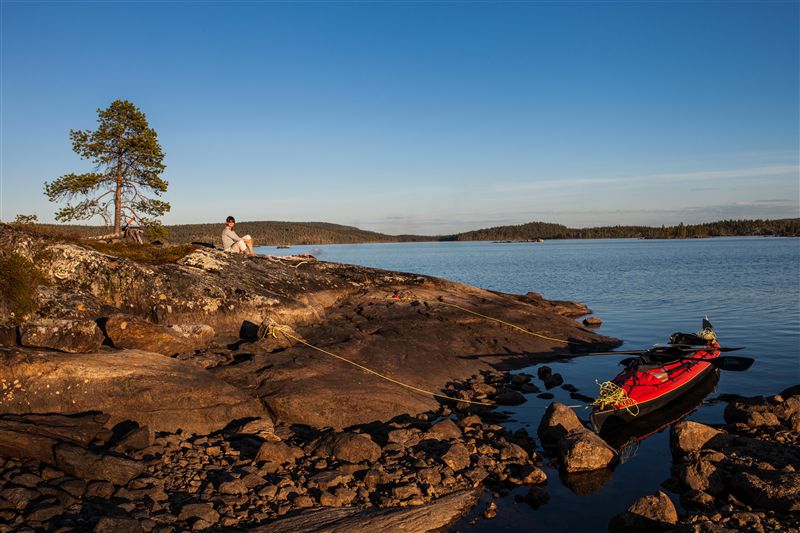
x=648, y=384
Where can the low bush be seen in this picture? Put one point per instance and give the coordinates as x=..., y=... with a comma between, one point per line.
x=145, y=253
x=19, y=282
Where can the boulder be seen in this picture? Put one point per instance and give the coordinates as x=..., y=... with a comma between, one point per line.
x=349, y=447
x=552, y=381
x=514, y=452
x=22, y=444
x=688, y=436
x=201, y=511
x=558, y=420
x=34, y=436
x=582, y=450
x=751, y=413
x=593, y=322
x=443, y=430
x=278, y=453
x=405, y=437
x=457, y=457
x=776, y=491
x=509, y=397
x=82, y=463
x=127, y=331
x=701, y=475
x=648, y=513
x=160, y=392
x=72, y=336
x=543, y=371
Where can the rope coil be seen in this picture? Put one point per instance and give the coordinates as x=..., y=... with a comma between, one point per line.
x=611, y=395
x=272, y=330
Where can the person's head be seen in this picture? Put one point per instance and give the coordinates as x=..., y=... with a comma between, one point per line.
x=230, y=221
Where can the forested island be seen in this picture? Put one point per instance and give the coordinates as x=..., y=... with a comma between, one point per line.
x=276, y=233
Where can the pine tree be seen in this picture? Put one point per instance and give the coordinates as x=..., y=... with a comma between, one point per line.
x=128, y=162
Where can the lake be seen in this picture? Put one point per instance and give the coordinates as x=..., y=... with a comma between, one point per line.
x=644, y=290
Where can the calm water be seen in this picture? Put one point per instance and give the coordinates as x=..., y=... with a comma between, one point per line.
x=644, y=290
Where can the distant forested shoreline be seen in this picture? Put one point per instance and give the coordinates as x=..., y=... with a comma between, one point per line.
x=723, y=228
x=298, y=233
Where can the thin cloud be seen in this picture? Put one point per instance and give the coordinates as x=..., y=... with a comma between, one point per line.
x=670, y=177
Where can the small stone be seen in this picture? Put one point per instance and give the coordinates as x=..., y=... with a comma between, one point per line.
x=403, y=492
x=430, y=476
x=649, y=513
x=457, y=457
x=252, y=481
x=510, y=397
x=553, y=380
x=99, y=489
x=491, y=511
x=43, y=512
x=203, y=511
x=109, y=524
x=443, y=430
x=278, y=453
x=26, y=480
x=520, y=379
x=302, y=502
x=513, y=451
x=536, y=476
x=406, y=437
x=19, y=497
x=349, y=447
x=201, y=525
x=329, y=478
x=234, y=486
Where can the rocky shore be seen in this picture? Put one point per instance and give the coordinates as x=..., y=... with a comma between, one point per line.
x=421, y=472
x=201, y=393
x=741, y=476
x=149, y=395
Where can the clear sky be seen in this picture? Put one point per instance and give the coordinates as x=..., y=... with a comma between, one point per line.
x=419, y=117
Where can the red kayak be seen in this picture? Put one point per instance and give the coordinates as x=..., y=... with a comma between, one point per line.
x=655, y=379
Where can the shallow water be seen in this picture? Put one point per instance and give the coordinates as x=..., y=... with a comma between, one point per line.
x=644, y=290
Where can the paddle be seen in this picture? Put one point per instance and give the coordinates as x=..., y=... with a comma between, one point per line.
x=664, y=350
x=725, y=362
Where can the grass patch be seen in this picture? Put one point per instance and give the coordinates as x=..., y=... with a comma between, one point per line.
x=145, y=253
x=19, y=281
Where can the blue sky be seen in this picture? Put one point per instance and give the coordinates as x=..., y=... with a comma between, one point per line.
x=419, y=117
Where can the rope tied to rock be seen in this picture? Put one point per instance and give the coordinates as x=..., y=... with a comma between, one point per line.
x=272, y=330
x=399, y=298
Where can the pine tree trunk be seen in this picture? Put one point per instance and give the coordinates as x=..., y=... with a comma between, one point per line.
x=118, y=198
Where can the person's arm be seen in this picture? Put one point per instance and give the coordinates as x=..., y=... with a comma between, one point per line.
x=229, y=233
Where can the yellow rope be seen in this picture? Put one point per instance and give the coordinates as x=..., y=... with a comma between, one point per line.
x=523, y=330
x=616, y=397
x=273, y=328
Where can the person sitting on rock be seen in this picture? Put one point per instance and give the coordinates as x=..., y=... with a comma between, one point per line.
x=232, y=242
